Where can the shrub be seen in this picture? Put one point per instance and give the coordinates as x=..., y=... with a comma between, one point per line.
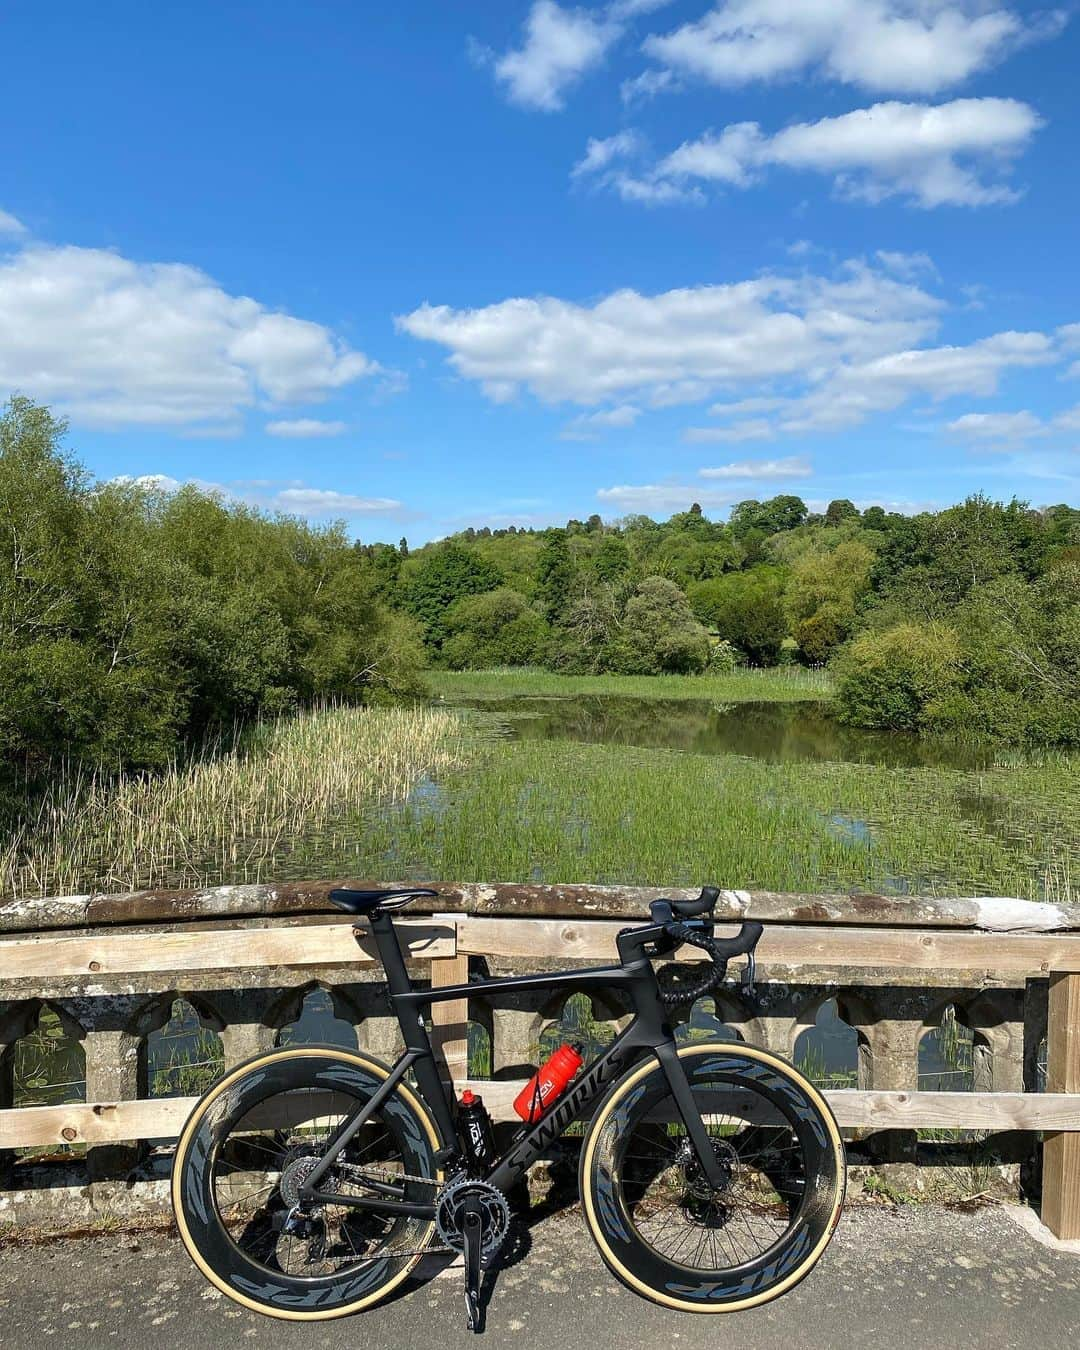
x=899, y=679
x=498, y=628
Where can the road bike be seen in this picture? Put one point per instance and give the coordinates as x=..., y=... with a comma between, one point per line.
x=310, y=1180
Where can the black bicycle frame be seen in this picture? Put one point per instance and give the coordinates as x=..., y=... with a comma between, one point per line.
x=649, y=1030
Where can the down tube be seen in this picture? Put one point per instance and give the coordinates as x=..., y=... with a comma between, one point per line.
x=623, y=1051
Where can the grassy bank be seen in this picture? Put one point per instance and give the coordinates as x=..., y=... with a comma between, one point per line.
x=783, y=684
x=285, y=798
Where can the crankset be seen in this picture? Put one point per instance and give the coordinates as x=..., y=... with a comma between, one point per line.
x=473, y=1218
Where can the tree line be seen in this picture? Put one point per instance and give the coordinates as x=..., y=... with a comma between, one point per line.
x=135, y=622
x=965, y=619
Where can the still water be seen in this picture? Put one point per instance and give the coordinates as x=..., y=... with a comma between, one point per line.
x=775, y=732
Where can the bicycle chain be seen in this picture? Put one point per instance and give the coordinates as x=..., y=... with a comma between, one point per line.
x=431, y=1249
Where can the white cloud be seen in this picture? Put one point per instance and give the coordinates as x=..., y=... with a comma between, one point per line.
x=588, y=426
x=817, y=352
x=655, y=497
x=1068, y=421
x=306, y=427
x=605, y=162
x=600, y=153
x=309, y=501
x=629, y=9
x=115, y=342
x=1001, y=427
x=560, y=46
x=793, y=466
x=290, y=498
x=680, y=346
x=755, y=429
x=858, y=389
x=757, y=404
x=907, y=264
x=894, y=46
x=647, y=85
x=1005, y=429
x=653, y=191
x=10, y=225
x=932, y=156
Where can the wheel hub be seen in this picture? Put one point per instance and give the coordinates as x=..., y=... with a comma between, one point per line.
x=703, y=1201
x=298, y=1165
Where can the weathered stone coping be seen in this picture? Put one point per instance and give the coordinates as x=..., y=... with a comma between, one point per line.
x=989, y=914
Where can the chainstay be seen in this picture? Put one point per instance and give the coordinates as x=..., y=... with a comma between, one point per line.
x=430, y=1249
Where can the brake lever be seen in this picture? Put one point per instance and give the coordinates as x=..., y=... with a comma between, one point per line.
x=749, y=977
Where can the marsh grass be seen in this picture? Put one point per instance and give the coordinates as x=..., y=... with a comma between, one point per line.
x=783, y=684
x=562, y=812
x=236, y=811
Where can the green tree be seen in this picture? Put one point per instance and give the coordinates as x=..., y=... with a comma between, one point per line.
x=839, y=510
x=822, y=595
x=899, y=679
x=441, y=576
x=658, y=633
x=497, y=628
x=745, y=609
x=554, y=574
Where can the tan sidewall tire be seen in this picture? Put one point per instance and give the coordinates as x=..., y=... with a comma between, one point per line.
x=348, y=1056
x=611, y=1103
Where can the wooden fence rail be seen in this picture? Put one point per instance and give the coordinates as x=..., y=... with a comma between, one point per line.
x=98, y=961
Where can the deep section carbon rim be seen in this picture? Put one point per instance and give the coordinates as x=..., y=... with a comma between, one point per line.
x=659, y=1221
x=245, y=1155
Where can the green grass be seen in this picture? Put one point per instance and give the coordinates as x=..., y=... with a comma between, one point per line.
x=565, y=812
x=433, y=793
x=786, y=684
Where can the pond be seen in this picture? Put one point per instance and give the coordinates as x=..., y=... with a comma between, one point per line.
x=775, y=732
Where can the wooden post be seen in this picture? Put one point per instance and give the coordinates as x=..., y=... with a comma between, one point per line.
x=450, y=1020
x=1061, y=1152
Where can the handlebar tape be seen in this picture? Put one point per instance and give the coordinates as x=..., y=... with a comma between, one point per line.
x=720, y=952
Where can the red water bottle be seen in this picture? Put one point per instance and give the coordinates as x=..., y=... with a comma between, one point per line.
x=547, y=1083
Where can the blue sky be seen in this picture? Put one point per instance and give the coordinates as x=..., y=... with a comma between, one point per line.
x=431, y=265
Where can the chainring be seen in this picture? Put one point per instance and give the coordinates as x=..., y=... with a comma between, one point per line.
x=450, y=1208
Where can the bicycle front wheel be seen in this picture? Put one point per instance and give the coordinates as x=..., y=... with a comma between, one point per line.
x=659, y=1224
x=247, y=1149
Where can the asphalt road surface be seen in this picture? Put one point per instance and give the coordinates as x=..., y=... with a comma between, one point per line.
x=910, y=1278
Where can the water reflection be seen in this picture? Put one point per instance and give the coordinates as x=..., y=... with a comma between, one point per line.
x=775, y=732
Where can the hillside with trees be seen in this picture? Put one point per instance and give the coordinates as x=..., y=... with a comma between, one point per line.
x=967, y=619
x=135, y=622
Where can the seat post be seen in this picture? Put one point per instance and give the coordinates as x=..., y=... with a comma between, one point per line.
x=386, y=939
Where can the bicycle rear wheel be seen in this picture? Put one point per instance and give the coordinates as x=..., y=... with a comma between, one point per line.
x=248, y=1147
x=658, y=1223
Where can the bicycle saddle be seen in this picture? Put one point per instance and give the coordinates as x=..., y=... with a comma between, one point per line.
x=363, y=902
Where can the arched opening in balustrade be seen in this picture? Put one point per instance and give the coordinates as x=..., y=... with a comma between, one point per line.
x=947, y=1053
x=43, y=1063
x=706, y=1022
x=316, y=1021
x=583, y=1020
x=828, y=1050
x=184, y=1054
x=48, y=1060
x=480, y=1040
